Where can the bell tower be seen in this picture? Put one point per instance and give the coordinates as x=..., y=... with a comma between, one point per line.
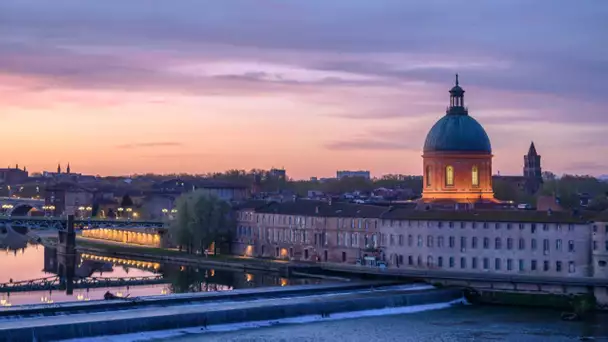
x=532, y=170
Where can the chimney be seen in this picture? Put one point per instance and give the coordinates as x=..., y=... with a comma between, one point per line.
x=330, y=201
x=317, y=210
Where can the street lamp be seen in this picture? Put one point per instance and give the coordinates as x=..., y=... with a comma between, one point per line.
x=120, y=210
x=135, y=215
x=8, y=208
x=129, y=210
x=89, y=211
x=48, y=210
x=81, y=211
x=165, y=211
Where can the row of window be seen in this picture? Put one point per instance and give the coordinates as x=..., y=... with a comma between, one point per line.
x=356, y=239
x=278, y=219
x=363, y=223
x=449, y=176
x=485, y=225
x=596, y=228
x=496, y=264
x=509, y=243
x=596, y=245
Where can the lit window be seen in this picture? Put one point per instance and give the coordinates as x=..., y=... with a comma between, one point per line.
x=449, y=175
x=475, y=176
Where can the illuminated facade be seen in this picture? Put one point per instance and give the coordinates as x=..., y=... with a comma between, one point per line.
x=152, y=237
x=457, y=158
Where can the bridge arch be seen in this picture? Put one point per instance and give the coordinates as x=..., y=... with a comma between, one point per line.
x=22, y=209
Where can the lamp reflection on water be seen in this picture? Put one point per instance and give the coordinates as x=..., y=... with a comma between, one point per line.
x=6, y=300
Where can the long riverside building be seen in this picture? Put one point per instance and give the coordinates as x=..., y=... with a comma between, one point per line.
x=556, y=244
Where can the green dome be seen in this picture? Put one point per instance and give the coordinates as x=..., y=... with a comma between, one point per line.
x=459, y=133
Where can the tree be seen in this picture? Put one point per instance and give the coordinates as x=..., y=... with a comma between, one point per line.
x=202, y=219
x=599, y=203
x=126, y=201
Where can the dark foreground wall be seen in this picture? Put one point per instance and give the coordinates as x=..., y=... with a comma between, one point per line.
x=69, y=329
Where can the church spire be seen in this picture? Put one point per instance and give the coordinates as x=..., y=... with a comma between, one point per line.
x=68, y=169
x=532, y=150
x=457, y=100
x=58, y=168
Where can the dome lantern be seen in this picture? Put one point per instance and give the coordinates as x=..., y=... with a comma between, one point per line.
x=457, y=100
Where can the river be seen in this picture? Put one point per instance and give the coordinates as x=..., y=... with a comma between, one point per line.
x=452, y=324
x=469, y=323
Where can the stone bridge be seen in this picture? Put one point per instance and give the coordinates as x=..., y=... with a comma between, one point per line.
x=60, y=223
x=13, y=206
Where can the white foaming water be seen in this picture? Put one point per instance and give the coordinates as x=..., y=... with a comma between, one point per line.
x=153, y=335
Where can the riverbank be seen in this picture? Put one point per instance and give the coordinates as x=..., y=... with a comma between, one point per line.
x=174, y=256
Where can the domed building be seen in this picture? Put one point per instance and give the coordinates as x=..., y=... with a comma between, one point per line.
x=457, y=157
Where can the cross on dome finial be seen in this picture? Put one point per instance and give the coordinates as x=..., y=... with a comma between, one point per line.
x=456, y=78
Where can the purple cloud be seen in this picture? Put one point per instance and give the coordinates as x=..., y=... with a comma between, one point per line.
x=370, y=145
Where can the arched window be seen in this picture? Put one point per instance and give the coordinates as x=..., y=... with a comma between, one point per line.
x=475, y=176
x=427, y=175
x=449, y=175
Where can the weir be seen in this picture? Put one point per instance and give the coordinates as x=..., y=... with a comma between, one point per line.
x=204, y=310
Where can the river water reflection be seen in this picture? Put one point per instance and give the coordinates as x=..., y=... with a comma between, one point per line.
x=23, y=261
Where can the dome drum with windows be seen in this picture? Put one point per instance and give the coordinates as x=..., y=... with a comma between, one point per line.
x=457, y=156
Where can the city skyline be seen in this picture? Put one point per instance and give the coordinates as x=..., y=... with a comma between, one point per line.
x=310, y=86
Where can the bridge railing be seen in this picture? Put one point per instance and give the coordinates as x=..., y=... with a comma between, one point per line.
x=81, y=223
x=55, y=282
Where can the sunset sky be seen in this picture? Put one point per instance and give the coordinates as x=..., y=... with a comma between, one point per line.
x=119, y=87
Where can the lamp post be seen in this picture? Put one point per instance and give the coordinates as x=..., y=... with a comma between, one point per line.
x=89, y=211
x=51, y=210
x=165, y=211
x=173, y=212
x=129, y=211
x=120, y=210
x=81, y=211
x=48, y=210
x=6, y=208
